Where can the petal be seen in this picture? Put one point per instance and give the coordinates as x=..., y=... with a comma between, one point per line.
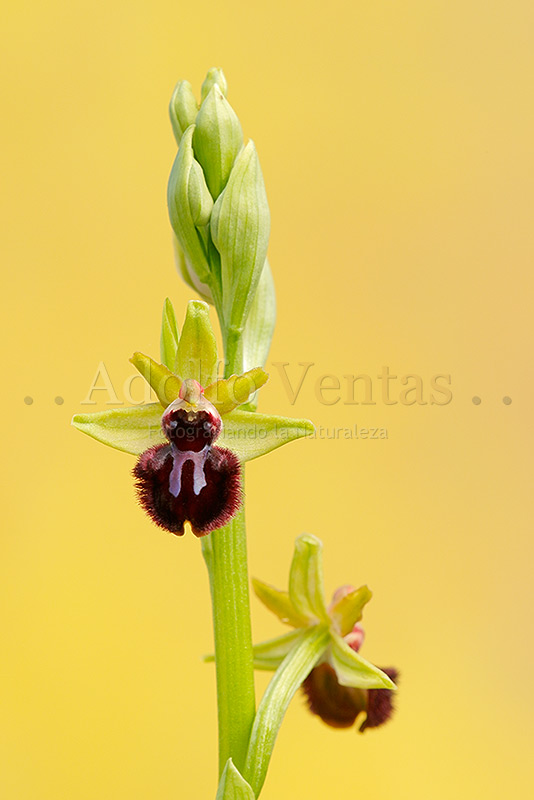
x=251, y=435
x=227, y=394
x=131, y=430
x=347, y=611
x=270, y=654
x=353, y=670
x=159, y=377
x=279, y=603
x=196, y=356
x=306, y=578
x=169, y=336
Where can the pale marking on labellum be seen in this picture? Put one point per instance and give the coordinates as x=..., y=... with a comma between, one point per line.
x=179, y=459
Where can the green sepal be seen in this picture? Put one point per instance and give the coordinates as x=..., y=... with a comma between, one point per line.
x=169, y=335
x=270, y=654
x=215, y=76
x=353, y=670
x=229, y=393
x=348, y=610
x=165, y=384
x=239, y=225
x=182, y=109
x=306, y=579
x=279, y=603
x=232, y=785
x=248, y=435
x=180, y=213
x=217, y=139
x=132, y=430
x=196, y=355
x=306, y=652
x=251, y=435
x=259, y=327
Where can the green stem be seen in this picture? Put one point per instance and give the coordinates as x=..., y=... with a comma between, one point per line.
x=225, y=553
x=233, y=350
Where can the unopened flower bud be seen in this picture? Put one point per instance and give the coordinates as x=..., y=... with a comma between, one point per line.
x=240, y=225
x=215, y=76
x=182, y=109
x=217, y=139
x=188, y=203
x=200, y=199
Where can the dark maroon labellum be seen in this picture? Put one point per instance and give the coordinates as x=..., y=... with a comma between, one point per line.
x=189, y=479
x=213, y=506
x=340, y=706
x=380, y=703
x=337, y=705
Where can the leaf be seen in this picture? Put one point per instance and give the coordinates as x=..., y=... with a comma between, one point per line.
x=270, y=654
x=227, y=394
x=132, y=430
x=306, y=578
x=169, y=335
x=289, y=676
x=279, y=603
x=163, y=382
x=232, y=785
x=353, y=670
x=347, y=611
x=251, y=435
x=196, y=356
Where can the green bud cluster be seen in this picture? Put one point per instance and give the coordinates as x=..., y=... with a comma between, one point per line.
x=220, y=216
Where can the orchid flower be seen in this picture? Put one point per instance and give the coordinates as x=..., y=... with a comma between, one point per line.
x=341, y=685
x=181, y=475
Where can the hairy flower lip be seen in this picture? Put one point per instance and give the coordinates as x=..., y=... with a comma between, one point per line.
x=340, y=706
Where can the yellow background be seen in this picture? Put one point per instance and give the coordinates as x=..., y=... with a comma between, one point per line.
x=396, y=143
